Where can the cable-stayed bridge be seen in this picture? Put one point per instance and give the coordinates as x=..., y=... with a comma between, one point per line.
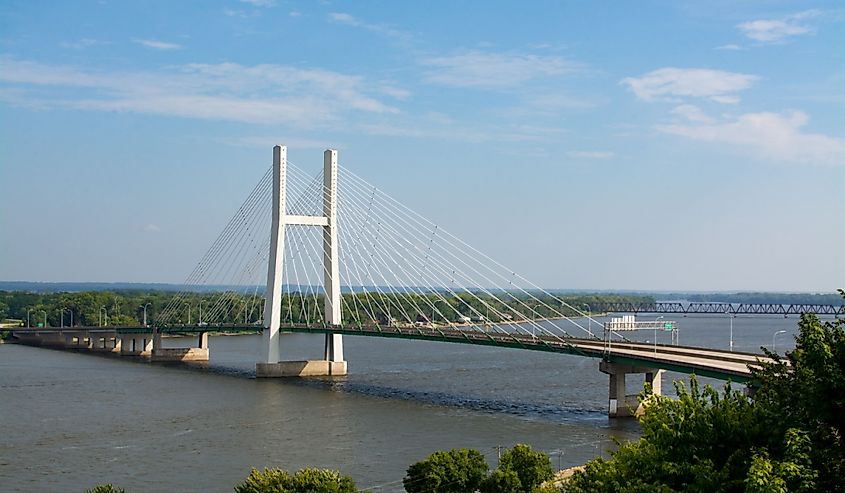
x=334, y=255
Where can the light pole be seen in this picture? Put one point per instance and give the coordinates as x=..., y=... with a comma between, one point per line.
x=589, y=319
x=731, y=342
x=62, y=316
x=144, y=306
x=655, y=333
x=201, y=302
x=774, y=336
x=27, y=317
x=45, y=316
x=189, y=312
x=104, y=310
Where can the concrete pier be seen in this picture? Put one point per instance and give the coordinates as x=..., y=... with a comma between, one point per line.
x=309, y=368
x=136, y=345
x=193, y=354
x=620, y=403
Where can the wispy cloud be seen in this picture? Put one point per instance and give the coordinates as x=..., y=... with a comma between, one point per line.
x=691, y=113
x=227, y=91
x=779, y=30
x=672, y=83
x=83, y=43
x=394, y=92
x=556, y=101
x=158, y=45
x=489, y=70
x=260, y=3
x=729, y=47
x=766, y=135
x=591, y=154
x=242, y=14
x=152, y=228
x=382, y=29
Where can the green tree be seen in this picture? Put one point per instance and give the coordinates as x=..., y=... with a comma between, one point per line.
x=452, y=471
x=321, y=481
x=802, y=399
x=532, y=468
x=788, y=437
x=303, y=481
x=266, y=481
x=500, y=481
x=105, y=488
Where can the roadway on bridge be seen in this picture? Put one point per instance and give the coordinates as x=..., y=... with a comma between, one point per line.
x=708, y=362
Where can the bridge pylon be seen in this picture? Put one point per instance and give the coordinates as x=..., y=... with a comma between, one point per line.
x=333, y=362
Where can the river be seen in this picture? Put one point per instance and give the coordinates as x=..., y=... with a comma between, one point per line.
x=73, y=420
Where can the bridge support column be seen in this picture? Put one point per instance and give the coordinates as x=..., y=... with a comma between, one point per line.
x=97, y=343
x=52, y=340
x=620, y=403
x=333, y=364
x=146, y=344
x=136, y=345
x=331, y=262
x=127, y=345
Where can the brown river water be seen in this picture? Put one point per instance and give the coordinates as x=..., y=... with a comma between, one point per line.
x=73, y=420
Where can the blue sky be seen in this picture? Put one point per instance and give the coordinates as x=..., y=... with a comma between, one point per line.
x=587, y=145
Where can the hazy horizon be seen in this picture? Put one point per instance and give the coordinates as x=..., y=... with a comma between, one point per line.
x=5, y=283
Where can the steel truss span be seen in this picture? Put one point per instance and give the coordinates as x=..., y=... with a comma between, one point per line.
x=714, y=308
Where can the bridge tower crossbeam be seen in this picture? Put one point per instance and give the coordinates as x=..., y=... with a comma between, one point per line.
x=269, y=364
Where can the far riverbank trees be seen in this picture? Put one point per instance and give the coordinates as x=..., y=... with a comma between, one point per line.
x=94, y=308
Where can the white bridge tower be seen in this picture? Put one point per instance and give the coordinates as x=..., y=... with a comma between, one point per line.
x=333, y=363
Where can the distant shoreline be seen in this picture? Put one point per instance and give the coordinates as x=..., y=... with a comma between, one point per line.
x=727, y=296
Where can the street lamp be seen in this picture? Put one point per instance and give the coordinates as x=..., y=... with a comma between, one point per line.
x=732, y=330
x=103, y=310
x=201, y=302
x=655, y=333
x=27, y=317
x=45, y=316
x=62, y=316
x=189, y=312
x=774, y=336
x=144, y=306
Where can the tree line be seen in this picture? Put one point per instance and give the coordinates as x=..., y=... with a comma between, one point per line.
x=760, y=298
x=95, y=308
x=520, y=470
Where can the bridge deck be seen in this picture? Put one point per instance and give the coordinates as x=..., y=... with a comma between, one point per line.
x=701, y=361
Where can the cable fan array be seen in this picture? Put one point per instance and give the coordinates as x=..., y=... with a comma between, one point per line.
x=396, y=269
